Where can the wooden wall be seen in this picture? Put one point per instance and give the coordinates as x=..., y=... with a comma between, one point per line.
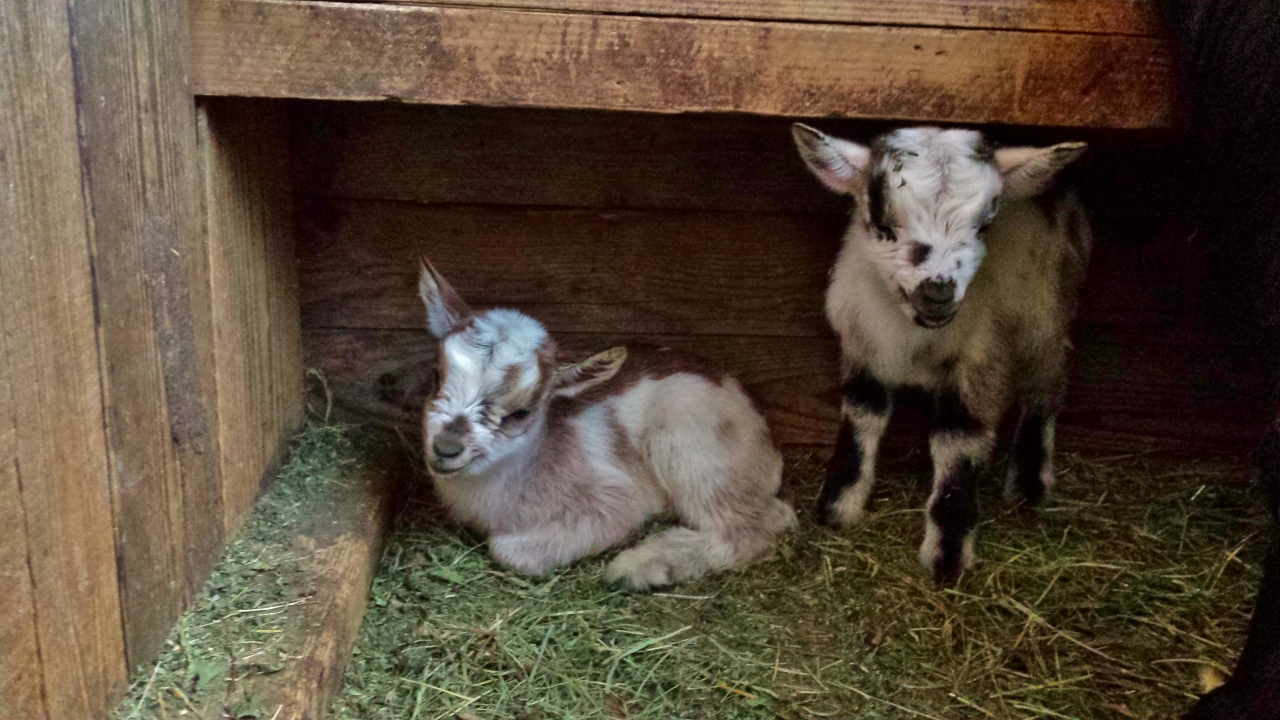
x=702, y=232
x=129, y=275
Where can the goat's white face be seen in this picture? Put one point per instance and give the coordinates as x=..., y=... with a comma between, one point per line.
x=922, y=199
x=495, y=376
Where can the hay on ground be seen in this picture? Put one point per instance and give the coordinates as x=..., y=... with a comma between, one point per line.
x=1112, y=603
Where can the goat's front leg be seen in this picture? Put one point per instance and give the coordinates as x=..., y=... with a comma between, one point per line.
x=864, y=414
x=539, y=550
x=961, y=448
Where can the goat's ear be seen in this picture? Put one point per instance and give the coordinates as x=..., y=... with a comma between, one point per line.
x=574, y=379
x=1029, y=171
x=445, y=308
x=839, y=164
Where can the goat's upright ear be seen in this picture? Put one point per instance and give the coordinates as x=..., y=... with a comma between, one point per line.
x=574, y=379
x=839, y=164
x=1029, y=171
x=445, y=308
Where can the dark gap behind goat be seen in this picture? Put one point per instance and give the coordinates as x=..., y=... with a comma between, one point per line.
x=1228, y=186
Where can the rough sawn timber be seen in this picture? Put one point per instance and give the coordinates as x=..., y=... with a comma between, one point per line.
x=1112, y=17
x=61, y=642
x=342, y=548
x=453, y=56
x=150, y=265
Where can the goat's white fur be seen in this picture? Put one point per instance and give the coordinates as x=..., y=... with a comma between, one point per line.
x=607, y=444
x=923, y=197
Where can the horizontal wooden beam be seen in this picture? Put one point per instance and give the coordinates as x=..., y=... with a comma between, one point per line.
x=1108, y=17
x=452, y=56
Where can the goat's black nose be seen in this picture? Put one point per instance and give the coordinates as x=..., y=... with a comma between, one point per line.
x=447, y=446
x=936, y=292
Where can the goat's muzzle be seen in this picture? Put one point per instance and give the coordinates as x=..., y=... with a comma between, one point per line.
x=448, y=452
x=934, y=302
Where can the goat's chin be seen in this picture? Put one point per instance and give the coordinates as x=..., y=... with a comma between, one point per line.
x=442, y=469
x=930, y=322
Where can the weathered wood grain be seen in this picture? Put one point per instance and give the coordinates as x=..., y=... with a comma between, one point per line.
x=667, y=272
x=1122, y=398
x=138, y=139
x=343, y=546
x=257, y=333
x=53, y=442
x=1120, y=17
x=21, y=682
x=577, y=270
x=483, y=56
x=557, y=158
x=382, y=376
x=734, y=285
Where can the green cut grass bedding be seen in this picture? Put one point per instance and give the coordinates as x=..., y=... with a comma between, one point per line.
x=249, y=619
x=1111, y=603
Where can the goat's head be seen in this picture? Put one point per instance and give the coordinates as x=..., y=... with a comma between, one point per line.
x=496, y=373
x=922, y=199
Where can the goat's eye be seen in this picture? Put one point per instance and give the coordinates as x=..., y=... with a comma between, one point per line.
x=887, y=233
x=515, y=416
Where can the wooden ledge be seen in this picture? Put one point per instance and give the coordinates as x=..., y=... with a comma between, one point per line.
x=523, y=58
x=1107, y=17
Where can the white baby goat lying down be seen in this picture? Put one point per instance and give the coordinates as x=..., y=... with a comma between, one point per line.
x=558, y=463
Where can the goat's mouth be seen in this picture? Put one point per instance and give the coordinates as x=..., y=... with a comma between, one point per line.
x=441, y=467
x=932, y=321
x=930, y=316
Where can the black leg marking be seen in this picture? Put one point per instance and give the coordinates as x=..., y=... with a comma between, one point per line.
x=842, y=471
x=1029, y=457
x=954, y=513
x=952, y=416
x=867, y=393
x=864, y=407
x=960, y=447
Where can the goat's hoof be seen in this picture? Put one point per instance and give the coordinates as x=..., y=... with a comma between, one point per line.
x=637, y=569
x=1027, y=491
x=946, y=567
x=840, y=516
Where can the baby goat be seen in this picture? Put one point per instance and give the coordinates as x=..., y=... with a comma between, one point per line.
x=916, y=305
x=558, y=463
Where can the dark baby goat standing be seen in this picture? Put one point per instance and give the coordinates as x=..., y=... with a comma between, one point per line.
x=958, y=276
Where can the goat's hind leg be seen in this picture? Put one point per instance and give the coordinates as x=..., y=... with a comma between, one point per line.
x=722, y=489
x=864, y=414
x=1031, y=468
x=539, y=550
x=681, y=554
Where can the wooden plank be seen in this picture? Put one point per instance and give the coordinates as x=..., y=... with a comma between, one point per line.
x=1111, y=17
x=342, y=549
x=53, y=440
x=257, y=333
x=382, y=376
x=514, y=58
x=20, y=681
x=1122, y=398
x=738, y=284
x=577, y=270
x=137, y=119
x=579, y=158
x=665, y=272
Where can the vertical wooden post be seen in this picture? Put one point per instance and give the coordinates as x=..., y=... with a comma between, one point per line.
x=138, y=141
x=61, y=644
x=253, y=273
